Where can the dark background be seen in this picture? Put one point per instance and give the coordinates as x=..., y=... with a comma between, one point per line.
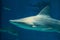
x=15, y=9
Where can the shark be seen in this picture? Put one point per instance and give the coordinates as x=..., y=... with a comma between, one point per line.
x=9, y=31
x=40, y=22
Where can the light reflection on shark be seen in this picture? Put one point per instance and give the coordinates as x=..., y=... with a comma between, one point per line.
x=40, y=22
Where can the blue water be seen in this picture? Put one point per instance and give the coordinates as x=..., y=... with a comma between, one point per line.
x=14, y=9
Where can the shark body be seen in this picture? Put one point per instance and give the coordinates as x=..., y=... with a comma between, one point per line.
x=40, y=22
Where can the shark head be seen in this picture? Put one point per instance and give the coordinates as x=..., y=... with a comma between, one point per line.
x=40, y=22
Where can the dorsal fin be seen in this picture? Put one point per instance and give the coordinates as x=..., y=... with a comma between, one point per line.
x=45, y=11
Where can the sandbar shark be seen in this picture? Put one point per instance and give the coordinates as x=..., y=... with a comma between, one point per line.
x=40, y=22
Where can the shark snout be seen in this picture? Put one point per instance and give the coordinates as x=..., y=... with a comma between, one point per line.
x=14, y=20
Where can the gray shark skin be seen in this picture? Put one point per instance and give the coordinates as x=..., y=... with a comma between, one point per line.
x=40, y=22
